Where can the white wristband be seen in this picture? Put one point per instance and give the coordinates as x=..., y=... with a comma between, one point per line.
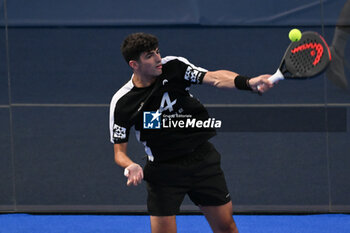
x=126, y=172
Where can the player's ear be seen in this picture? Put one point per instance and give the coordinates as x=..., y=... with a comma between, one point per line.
x=133, y=64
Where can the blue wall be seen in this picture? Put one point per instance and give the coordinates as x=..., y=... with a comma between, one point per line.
x=285, y=151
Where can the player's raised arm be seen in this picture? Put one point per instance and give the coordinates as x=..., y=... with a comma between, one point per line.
x=229, y=79
x=133, y=171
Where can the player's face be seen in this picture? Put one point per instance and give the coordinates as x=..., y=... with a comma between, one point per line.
x=150, y=63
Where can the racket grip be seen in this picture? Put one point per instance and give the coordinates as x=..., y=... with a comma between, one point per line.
x=276, y=76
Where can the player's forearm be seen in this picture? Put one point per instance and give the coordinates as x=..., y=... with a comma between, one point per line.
x=220, y=78
x=122, y=159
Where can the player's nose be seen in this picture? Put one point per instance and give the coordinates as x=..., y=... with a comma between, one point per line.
x=158, y=58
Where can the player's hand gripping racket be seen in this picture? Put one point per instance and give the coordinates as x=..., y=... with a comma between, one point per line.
x=304, y=58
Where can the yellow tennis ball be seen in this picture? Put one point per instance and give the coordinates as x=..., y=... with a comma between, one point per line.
x=294, y=35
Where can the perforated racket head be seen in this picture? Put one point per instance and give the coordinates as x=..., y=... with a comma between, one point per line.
x=307, y=57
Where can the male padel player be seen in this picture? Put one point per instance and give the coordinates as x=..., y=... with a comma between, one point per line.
x=174, y=128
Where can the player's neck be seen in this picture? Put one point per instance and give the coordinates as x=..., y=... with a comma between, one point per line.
x=142, y=81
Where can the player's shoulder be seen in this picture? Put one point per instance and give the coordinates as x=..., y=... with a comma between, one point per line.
x=122, y=92
x=174, y=59
x=180, y=61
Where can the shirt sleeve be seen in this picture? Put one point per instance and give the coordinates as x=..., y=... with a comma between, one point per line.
x=194, y=74
x=118, y=125
x=189, y=73
x=119, y=134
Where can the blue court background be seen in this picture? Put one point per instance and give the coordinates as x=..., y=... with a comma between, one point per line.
x=60, y=64
x=23, y=223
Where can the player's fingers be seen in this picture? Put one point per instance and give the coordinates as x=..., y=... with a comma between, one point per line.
x=260, y=89
x=138, y=181
x=140, y=177
x=267, y=82
x=265, y=76
x=265, y=85
x=131, y=181
x=141, y=174
x=263, y=88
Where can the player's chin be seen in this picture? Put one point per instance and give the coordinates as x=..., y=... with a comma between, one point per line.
x=158, y=72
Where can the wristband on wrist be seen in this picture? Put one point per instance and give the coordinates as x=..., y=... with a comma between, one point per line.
x=126, y=172
x=242, y=83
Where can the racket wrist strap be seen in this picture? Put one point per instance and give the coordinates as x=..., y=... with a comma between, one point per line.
x=242, y=83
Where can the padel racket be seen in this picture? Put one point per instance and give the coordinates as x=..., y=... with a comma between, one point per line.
x=303, y=59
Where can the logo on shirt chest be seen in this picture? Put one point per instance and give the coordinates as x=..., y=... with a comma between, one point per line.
x=152, y=120
x=175, y=119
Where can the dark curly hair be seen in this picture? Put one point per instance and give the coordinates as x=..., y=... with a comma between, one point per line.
x=137, y=43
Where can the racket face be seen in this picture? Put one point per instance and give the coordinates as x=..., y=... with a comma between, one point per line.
x=307, y=57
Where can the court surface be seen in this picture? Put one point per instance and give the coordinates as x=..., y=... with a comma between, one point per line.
x=25, y=223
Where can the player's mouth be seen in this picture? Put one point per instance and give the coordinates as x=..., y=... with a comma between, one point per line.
x=160, y=66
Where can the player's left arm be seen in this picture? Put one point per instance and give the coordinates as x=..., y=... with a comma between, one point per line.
x=226, y=79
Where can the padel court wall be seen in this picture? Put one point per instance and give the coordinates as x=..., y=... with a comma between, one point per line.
x=60, y=64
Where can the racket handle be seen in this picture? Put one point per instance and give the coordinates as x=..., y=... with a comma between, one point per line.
x=276, y=76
